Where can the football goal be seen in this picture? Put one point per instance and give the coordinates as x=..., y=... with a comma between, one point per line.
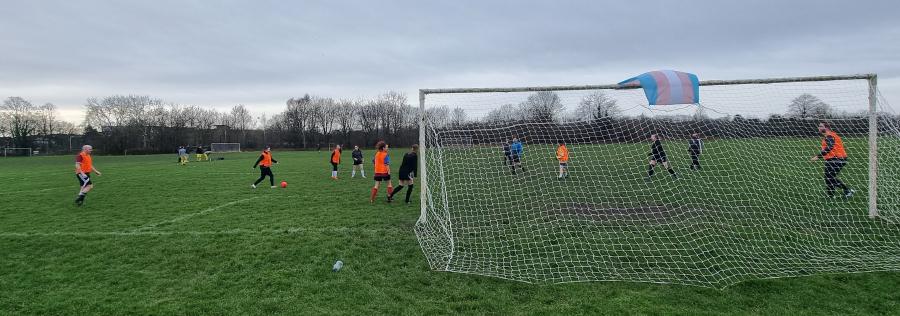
x=225, y=147
x=763, y=178
x=17, y=152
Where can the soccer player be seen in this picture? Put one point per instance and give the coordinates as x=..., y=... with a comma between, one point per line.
x=658, y=155
x=265, y=162
x=201, y=154
x=515, y=150
x=695, y=149
x=335, y=161
x=562, y=154
x=182, y=155
x=507, y=154
x=382, y=163
x=835, y=157
x=407, y=173
x=83, y=167
x=357, y=162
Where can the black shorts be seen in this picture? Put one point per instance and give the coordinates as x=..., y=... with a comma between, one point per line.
x=660, y=159
x=334, y=166
x=357, y=162
x=406, y=175
x=515, y=159
x=84, y=182
x=382, y=177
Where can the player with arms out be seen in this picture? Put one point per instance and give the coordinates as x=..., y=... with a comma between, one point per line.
x=382, y=163
x=835, y=156
x=562, y=155
x=265, y=162
x=335, y=161
x=658, y=155
x=407, y=173
x=84, y=165
x=357, y=162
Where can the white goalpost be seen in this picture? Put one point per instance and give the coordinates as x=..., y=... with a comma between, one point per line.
x=752, y=204
x=225, y=147
x=17, y=152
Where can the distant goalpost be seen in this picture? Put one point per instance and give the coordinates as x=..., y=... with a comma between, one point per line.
x=756, y=209
x=225, y=147
x=17, y=152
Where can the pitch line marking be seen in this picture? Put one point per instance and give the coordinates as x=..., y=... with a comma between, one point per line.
x=237, y=231
x=186, y=216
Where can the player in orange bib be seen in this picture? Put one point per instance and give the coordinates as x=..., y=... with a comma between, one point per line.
x=265, y=162
x=335, y=161
x=382, y=163
x=835, y=156
x=562, y=154
x=84, y=165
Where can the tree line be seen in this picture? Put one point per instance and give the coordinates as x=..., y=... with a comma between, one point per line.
x=144, y=124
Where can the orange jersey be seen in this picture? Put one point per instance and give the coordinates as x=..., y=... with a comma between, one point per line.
x=837, y=151
x=86, y=163
x=382, y=162
x=267, y=159
x=336, y=156
x=562, y=154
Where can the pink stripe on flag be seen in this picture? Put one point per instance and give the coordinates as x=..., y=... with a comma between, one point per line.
x=663, y=91
x=687, y=87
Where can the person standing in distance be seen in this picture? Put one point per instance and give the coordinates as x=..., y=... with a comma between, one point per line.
x=335, y=161
x=695, y=149
x=84, y=165
x=265, y=162
x=357, y=162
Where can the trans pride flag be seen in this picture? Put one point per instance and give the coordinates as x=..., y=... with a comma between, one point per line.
x=668, y=87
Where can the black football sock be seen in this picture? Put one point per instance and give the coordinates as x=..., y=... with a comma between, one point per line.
x=397, y=189
x=408, y=192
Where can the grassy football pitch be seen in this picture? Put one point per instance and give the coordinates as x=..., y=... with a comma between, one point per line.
x=158, y=238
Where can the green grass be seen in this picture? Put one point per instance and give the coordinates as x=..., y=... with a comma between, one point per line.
x=158, y=238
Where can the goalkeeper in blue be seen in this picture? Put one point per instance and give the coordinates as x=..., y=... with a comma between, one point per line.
x=516, y=152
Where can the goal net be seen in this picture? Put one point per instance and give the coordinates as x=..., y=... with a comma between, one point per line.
x=748, y=202
x=225, y=147
x=17, y=152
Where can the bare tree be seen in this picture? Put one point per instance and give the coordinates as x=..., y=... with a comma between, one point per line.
x=808, y=106
x=504, y=114
x=21, y=118
x=367, y=116
x=241, y=120
x=542, y=106
x=438, y=116
x=345, y=113
x=458, y=117
x=596, y=106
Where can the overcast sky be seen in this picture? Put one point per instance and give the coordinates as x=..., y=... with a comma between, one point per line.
x=260, y=53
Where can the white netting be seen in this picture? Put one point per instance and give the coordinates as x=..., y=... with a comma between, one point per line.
x=757, y=208
x=225, y=147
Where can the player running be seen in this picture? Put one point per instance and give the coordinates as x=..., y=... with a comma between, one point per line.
x=357, y=162
x=201, y=153
x=658, y=155
x=562, y=154
x=335, y=161
x=407, y=173
x=835, y=157
x=382, y=163
x=83, y=167
x=265, y=162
